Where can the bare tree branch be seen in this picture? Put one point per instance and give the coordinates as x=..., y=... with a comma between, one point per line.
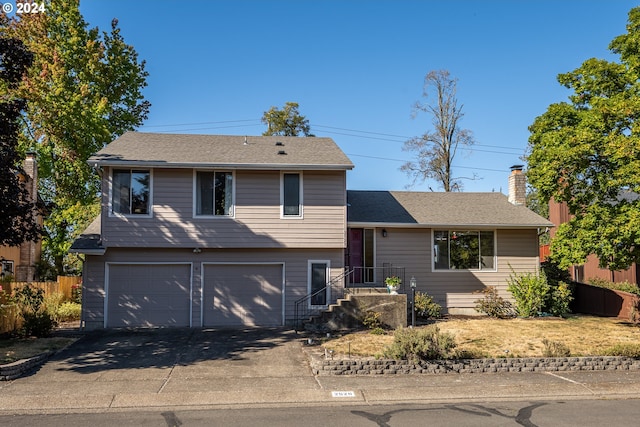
x=435, y=150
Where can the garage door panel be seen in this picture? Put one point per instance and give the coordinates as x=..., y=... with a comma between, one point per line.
x=243, y=295
x=149, y=295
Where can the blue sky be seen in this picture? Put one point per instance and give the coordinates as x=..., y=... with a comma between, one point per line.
x=357, y=67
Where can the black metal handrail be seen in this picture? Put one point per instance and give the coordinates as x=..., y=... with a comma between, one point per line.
x=367, y=277
x=305, y=308
x=356, y=277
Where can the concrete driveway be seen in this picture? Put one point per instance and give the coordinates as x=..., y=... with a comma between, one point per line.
x=159, y=367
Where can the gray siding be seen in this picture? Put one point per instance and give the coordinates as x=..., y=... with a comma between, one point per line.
x=257, y=222
x=456, y=290
x=295, y=260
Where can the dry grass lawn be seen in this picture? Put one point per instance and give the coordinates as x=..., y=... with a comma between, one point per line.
x=16, y=349
x=488, y=337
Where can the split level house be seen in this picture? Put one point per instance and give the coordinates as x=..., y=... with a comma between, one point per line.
x=215, y=231
x=19, y=262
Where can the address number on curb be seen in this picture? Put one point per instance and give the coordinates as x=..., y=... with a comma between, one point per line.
x=343, y=394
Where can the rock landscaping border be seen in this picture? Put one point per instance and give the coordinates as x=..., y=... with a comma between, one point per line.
x=16, y=369
x=321, y=366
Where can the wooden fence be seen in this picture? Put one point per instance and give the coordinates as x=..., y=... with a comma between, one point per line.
x=9, y=316
x=605, y=302
x=63, y=285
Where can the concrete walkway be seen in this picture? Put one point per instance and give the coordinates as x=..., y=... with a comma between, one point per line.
x=173, y=368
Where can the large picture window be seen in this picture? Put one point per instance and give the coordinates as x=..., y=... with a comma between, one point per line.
x=291, y=195
x=130, y=192
x=214, y=193
x=463, y=250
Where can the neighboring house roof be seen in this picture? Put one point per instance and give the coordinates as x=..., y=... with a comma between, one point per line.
x=222, y=151
x=90, y=241
x=444, y=209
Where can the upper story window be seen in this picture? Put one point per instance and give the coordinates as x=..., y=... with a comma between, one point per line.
x=291, y=194
x=463, y=250
x=214, y=193
x=130, y=192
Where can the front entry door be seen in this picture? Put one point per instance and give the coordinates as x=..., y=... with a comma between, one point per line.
x=360, y=250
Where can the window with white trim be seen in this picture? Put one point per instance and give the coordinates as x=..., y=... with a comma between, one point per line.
x=130, y=192
x=214, y=193
x=291, y=194
x=318, y=281
x=464, y=250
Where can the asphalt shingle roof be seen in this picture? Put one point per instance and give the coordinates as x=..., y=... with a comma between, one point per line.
x=439, y=209
x=185, y=150
x=90, y=239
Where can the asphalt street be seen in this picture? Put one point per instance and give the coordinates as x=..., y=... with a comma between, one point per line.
x=180, y=369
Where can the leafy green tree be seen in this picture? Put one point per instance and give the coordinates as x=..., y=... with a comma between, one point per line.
x=83, y=90
x=286, y=122
x=17, y=210
x=435, y=150
x=586, y=153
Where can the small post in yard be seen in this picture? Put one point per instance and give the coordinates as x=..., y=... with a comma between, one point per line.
x=413, y=301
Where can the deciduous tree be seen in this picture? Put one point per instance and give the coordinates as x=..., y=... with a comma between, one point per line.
x=83, y=90
x=286, y=122
x=586, y=153
x=17, y=209
x=435, y=150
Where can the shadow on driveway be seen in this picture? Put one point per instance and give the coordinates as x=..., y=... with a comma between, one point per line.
x=165, y=348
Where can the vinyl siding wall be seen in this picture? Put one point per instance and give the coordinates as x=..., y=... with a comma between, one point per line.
x=295, y=268
x=411, y=248
x=257, y=222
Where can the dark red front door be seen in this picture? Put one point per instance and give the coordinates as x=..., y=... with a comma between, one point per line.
x=355, y=252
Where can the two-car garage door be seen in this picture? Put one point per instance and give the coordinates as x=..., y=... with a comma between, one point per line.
x=160, y=295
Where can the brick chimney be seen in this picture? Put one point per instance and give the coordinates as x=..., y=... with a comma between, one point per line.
x=517, y=186
x=29, y=251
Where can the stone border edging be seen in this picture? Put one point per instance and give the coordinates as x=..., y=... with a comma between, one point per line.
x=16, y=369
x=320, y=366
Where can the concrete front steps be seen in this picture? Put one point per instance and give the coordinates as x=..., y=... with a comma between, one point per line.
x=348, y=312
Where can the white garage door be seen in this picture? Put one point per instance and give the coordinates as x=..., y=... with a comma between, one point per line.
x=242, y=295
x=148, y=295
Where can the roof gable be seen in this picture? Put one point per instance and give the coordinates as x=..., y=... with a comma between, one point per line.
x=439, y=209
x=238, y=152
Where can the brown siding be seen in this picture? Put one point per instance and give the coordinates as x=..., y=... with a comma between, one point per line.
x=411, y=248
x=257, y=221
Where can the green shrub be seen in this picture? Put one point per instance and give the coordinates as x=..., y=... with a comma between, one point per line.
x=76, y=293
x=494, y=305
x=623, y=286
x=61, y=311
x=68, y=311
x=371, y=319
x=554, y=273
x=417, y=344
x=529, y=291
x=555, y=349
x=426, y=307
x=38, y=324
x=52, y=303
x=560, y=298
x=36, y=320
x=377, y=331
x=625, y=350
